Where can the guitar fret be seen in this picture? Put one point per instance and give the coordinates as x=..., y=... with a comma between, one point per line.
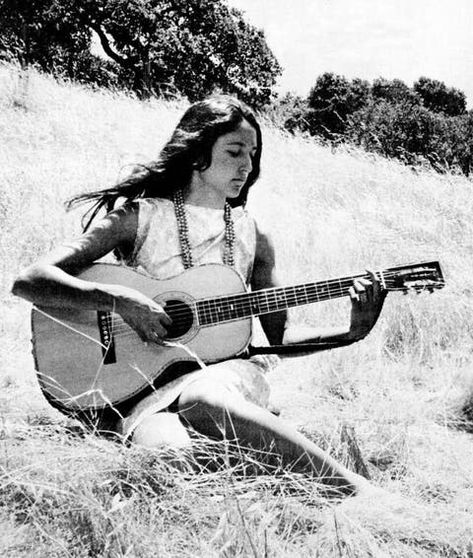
x=290, y=296
x=280, y=300
x=270, y=299
x=203, y=312
x=311, y=293
x=301, y=294
x=265, y=294
x=254, y=306
x=208, y=311
x=213, y=311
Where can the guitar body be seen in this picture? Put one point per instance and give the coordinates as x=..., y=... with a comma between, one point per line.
x=90, y=360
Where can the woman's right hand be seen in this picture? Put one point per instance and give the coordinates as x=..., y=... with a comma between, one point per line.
x=141, y=313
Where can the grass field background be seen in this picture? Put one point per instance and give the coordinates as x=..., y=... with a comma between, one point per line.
x=405, y=393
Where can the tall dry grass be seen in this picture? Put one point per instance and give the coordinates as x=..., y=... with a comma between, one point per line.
x=406, y=392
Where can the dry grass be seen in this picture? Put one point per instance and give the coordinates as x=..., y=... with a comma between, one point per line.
x=407, y=390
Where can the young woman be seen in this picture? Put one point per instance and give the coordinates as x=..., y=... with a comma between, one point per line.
x=184, y=210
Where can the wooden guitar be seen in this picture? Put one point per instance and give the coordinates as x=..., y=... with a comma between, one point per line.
x=91, y=360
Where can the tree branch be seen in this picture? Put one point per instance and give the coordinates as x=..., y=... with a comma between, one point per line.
x=104, y=41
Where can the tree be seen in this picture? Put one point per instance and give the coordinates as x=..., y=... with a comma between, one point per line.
x=414, y=134
x=393, y=91
x=332, y=100
x=32, y=33
x=437, y=97
x=289, y=111
x=193, y=46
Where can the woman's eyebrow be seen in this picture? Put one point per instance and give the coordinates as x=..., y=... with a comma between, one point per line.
x=241, y=144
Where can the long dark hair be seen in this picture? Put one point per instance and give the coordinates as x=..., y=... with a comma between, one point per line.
x=189, y=148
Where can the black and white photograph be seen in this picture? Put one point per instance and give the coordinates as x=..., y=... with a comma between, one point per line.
x=236, y=287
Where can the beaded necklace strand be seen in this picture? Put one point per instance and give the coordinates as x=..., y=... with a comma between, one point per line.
x=183, y=229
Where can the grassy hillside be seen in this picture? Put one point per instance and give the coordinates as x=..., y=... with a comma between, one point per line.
x=405, y=393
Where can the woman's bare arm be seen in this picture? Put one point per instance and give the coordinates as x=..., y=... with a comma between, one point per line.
x=51, y=282
x=366, y=296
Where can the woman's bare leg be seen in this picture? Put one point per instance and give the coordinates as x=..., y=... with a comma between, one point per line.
x=215, y=411
x=162, y=430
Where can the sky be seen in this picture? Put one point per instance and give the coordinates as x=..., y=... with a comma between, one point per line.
x=403, y=39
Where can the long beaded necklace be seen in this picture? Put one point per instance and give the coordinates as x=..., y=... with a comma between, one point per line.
x=183, y=229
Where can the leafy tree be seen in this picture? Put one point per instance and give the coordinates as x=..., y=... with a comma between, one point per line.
x=437, y=97
x=332, y=100
x=459, y=139
x=32, y=33
x=192, y=46
x=393, y=91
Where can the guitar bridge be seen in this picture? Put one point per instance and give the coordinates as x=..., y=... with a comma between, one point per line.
x=104, y=320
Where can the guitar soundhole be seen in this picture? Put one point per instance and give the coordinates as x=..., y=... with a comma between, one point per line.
x=181, y=316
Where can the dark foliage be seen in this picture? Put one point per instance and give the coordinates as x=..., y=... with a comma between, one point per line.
x=194, y=47
x=414, y=134
x=33, y=33
x=291, y=111
x=437, y=97
x=331, y=101
x=426, y=124
x=394, y=91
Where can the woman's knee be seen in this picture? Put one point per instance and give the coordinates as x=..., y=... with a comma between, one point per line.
x=161, y=430
x=207, y=406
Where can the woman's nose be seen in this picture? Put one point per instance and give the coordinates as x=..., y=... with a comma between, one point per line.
x=247, y=163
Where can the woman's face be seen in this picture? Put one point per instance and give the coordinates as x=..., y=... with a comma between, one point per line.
x=231, y=163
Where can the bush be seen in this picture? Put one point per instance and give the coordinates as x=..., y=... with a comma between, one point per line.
x=437, y=97
x=331, y=101
x=414, y=134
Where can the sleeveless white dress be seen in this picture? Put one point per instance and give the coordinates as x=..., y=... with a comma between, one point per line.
x=157, y=252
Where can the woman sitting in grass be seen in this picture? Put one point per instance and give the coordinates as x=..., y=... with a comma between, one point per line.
x=184, y=210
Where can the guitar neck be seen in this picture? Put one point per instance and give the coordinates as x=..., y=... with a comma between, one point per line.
x=265, y=301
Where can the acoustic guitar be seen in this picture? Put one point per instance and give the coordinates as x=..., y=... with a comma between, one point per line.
x=91, y=360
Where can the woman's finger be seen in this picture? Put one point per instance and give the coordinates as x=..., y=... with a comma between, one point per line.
x=353, y=294
x=360, y=289
x=378, y=291
x=156, y=337
x=165, y=319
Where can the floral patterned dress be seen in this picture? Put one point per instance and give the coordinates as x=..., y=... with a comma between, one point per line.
x=157, y=252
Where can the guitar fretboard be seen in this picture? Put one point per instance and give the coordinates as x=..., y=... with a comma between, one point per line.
x=235, y=307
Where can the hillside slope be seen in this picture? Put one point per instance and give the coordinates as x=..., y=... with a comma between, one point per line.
x=405, y=392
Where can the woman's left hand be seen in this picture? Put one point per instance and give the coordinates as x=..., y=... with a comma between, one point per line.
x=367, y=298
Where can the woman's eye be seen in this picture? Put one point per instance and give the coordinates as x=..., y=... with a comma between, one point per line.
x=234, y=153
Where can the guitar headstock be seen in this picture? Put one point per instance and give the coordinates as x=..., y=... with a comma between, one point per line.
x=425, y=276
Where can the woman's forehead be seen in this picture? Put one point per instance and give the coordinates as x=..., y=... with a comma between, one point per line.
x=244, y=134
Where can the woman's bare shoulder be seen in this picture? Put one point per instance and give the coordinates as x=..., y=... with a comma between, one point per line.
x=264, y=245
x=115, y=231
x=264, y=269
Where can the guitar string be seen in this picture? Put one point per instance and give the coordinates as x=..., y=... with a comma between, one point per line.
x=292, y=292
x=180, y=317
x=126, y=330
x=246, y=304
x=248, y=299
x=181, y=312
x=211, y=316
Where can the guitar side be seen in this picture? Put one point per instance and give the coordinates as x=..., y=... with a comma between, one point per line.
x=76, y=370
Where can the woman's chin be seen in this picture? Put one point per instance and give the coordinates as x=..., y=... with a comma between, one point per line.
x=235, y=189
x=233, y=193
